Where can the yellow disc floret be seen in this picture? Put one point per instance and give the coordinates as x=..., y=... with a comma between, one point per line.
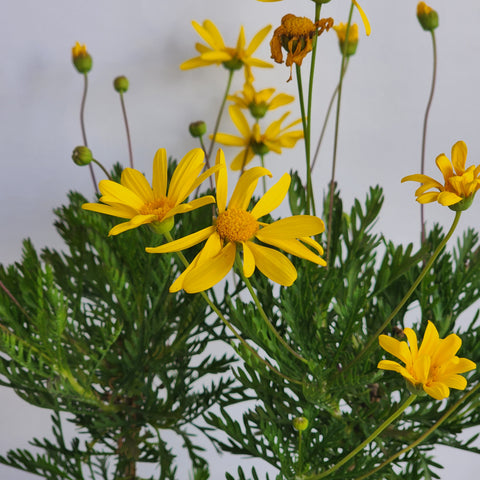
x=236, y=225
x=159, y=207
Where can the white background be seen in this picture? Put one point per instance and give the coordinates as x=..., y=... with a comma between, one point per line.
x=385, y=94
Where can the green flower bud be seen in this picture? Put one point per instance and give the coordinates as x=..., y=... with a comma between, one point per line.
x=300, y=424
x=81, y=58
x=259, y=148
x=82, y=156
x=258, y=110
x=462, y=204
x=163, y=227
x=427, y=17
x=233, y=64
x=197, y=129
x=120, y=84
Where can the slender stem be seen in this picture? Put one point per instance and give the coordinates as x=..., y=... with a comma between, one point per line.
x=372, y=437
x=300, y=452
x=305, y=133
x=82, y=126
x=335, y=142
x=124, y=111
x=210, y=178
x=230, y=326
x=426, y=434
x=425, y=121
x=264, y=315
x=105, y=171
x=325, y=122
x=415, y=284
x=264, y=182
x=219, y=116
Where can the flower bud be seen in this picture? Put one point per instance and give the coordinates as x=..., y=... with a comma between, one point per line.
x=120, y=84
x=81, y=58
x=300, y=424
x=462, y=204
x=197, y=129
x=349, y=46
x=427, y=17
x=259, y=148
x=258, y=110
x=82, y=156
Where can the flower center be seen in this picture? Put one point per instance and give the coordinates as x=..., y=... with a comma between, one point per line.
x=159, y=207
x=236, y=225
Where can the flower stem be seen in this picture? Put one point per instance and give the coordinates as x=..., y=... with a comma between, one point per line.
x=82, y=126
x=335, y=142
x=426, y=434
x=124, y=111
x=264, y=182
x=425, y=121
x=219, y=116
x=264, y=315
x=372, y=437
x=415, y=284
x=105, y=171
x=230, y=326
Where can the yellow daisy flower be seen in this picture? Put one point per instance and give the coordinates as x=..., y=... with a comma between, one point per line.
x=433, y=367
x=459, y=183
x=254, y=142
x=365, y=21
x=232, y=58
x=259, y=102
x=237, y=228
x=134, y=199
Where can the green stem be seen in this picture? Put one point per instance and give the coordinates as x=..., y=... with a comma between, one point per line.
x=305, y=134
x=219, y=116
x=426, y=268
x=129, y=141
x=372, y=437
x=335, y=142
x=424, y=436
x=424, y=135
x=325, y=122
x=264, y=315
x=82, y=126
x=105, y=171
x=230, y=326
x=264, y=182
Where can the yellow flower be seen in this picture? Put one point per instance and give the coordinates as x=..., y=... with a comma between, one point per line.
x=133, y=198
x=232, y=58
x=295, y=35
x=81, y=58
x=459, y=183
x=254, y=142
x=427, y=17
x=433, y=367
x=365, y=21
x=236, y=228
x=259, y=102
x=352, y=43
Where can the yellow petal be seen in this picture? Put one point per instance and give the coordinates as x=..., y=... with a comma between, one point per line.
x=295, y=248
x=221, y=181
x=230, y=140
x=137, y=183
x=215, y=34
x=188, y=207
x=160, y=176
x=122, y=211
x=443, y=163
x=292, y=227
x=459, y=156
x=116, y=193
x=428, y=197
x=447, y=348
x=257, y=40
x=396, y=348
x=418, y=177
x=272, y=198
x=273, y=264
x=430, y=340
x=245, y=187
x=241, y=40
x=183, y=243
x=185, y=174
x=216, y=57
x=437, y=390
x=206, y=34
x=412, y=341
x=280, y=100
x=248, y=260
x=448, y=198
x=366, y=23
x=238, y=118
x=195, y=62
x=133, y=223
x=242, y=159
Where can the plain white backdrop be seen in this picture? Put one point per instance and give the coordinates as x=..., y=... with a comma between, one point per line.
x=385, y=94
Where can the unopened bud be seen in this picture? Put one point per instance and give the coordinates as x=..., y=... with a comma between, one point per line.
x=427, y=17
x=350, y=45
x=120, y=84
x=300, y=424
x=81, y=58
x=197, y=129
x=82, y=156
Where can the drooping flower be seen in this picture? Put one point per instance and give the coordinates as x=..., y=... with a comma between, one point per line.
x=460, y=184
x=349, y=46
x=237, y=228
x=232, y=58
x=259, y=102
x=254, y=142
x=295, y=35
x=81, y=59
x=134, y=199
x=365, y=21
x=433, y=367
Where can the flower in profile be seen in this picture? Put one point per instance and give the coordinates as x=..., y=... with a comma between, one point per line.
x=134, y=199
x=365, y=21
x=81, y=58
x=459, y=184
x=427, y=17
x=433, y=367
x=295, y=35
x=232, y=58
x=259, y=102
x=254, y=142
x=350, y=46
x=237, y=228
